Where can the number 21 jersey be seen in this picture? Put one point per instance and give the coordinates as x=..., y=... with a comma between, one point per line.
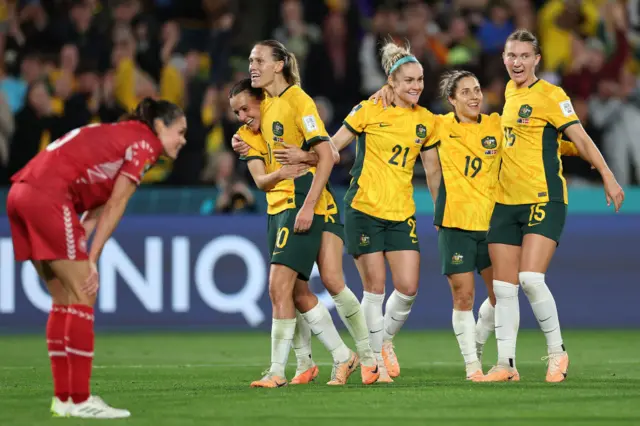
x=388, y=142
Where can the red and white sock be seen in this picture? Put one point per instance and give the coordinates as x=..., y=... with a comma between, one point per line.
x=57, y=354
x=79, y=338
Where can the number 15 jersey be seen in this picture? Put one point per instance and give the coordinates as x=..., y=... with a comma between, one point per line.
x=533, y=120
x=387, y=145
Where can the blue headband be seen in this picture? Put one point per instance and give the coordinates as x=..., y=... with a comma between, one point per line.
x=402, y=61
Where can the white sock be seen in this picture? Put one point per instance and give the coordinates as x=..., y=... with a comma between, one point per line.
x=544, y=308
x=485, y=325
x=352, y=316
x=464, y=326
x=322, y=327
x=372, y=308
x=282, y=331
x=396, y=313
x=302, y=343
x=507, y=321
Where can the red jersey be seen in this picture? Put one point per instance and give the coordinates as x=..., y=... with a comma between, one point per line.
x=85, y=162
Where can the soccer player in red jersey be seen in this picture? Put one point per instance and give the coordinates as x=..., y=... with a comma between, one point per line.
x=93, y=170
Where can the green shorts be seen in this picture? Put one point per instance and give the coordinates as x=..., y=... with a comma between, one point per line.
x=297, y=251
x=463, y=251
x=366, y=234
x=333, y=224
x=509, y=223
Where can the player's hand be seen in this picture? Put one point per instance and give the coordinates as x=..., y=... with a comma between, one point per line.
x=239, y=145
x=92, y=283
x=292, y=171
x=384, y=95
x=613, y=192
x=303, y=220
x=290, y=154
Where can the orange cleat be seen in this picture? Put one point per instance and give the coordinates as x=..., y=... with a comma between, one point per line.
x=342, y=371
x=475, y=376
x=270, y=381
x=306, y=377
x=390, y=359
x=499, y=373
x=370, y=374
x=558, y=367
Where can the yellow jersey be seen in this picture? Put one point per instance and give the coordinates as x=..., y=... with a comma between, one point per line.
x=258, y=151
x=533, y=120
x=291, y=118
x=469, y=158
x=470, y=161
x=388, y=143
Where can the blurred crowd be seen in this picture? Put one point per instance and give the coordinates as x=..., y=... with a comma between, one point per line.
x=72, y=62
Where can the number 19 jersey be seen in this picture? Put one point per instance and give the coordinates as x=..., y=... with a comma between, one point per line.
x=533, y=120
x=388, y=142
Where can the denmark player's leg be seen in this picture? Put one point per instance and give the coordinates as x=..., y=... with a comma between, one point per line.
x=542, y=233
x=55, y=333
x=53, y=231
x=347, y=304
x=402, y=251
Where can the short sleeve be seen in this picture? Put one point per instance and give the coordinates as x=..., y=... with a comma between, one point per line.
x=138, y=159
x=433, y=138
x=559, y=111
x=309, y=122
x=257, y=146
x=356, y=121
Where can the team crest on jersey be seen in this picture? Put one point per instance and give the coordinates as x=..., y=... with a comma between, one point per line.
x=457, y=259
x=489, y=142
x=278, y=128
x=421, y=131
x=525, y=111
x=364, y=240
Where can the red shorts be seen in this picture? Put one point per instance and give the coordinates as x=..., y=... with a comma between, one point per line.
x=44, y=226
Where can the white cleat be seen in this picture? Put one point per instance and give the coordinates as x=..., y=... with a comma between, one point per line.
x=60, y=408
x=96, y=408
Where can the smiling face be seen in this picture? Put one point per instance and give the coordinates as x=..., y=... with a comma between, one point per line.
x=407, y=83
x=262, y=66
x=520, y=59
x=467, y=100
x=246, y=109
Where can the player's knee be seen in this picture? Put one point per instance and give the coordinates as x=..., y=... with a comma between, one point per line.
x=373, y=285
x=407, y=287
x=533, y=285
x=463, y=301
x=303, y=298
x=333, y=281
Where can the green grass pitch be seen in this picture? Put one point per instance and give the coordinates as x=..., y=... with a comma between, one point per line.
x=203, y=379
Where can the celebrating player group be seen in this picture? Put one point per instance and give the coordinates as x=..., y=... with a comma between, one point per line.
x=496, y=182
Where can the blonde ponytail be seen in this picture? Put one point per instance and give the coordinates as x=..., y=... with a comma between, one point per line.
x=391, y=54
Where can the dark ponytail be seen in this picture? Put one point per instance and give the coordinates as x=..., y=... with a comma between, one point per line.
x=150, y=110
